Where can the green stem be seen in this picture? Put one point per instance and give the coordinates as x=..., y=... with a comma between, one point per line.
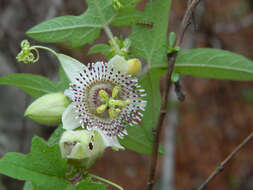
x=110, y=36
x=105, y=181
x=42, y=47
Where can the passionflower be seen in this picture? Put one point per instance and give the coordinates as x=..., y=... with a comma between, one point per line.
x=104, y=98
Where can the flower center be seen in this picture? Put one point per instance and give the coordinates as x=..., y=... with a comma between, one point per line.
x=113, y=105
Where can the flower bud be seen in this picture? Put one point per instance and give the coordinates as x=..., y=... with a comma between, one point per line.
x=134, y=66
x=82, y=147
x=48, y=109
x=119, y=63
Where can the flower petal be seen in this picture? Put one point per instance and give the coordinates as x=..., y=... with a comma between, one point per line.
x=119, y=63
x=69, y=120
x=80, y=151
x=71, y=66
x=110, y=141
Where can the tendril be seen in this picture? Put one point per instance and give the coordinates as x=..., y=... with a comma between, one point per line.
x=30, y=54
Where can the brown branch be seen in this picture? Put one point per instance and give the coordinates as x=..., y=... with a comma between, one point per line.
x=171, y=61
x=221, y=166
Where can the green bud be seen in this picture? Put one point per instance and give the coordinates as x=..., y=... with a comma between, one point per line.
x=48, y=109
x=82, y=148
x=134, y=66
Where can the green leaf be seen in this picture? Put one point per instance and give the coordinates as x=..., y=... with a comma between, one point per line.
x=43, y=166
x=151, y=83
x=89, y=185
x=100, y=48
x=63, y=82
x=214, y=63
x=28, y=186
x=137, y=141
x=77, y=29
x=128, y=14
x=150, y=44
x=34, y=85
x=55, y=136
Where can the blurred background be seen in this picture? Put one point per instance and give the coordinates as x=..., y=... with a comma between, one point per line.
x=201, y=131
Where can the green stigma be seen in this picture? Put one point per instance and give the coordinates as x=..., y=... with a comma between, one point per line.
x=111, y=103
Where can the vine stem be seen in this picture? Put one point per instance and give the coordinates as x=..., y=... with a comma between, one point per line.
x=42, y=47
x=105, y=181
x=167, y=84
x=221, y=166
x=110, y=36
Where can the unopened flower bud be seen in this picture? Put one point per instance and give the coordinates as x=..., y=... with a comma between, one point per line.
x=119, y=63
x=82, y=147
x=48, y=109
x=134, y=66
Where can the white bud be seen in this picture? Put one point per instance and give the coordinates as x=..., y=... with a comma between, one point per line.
x=82, y=147
x=48, y=109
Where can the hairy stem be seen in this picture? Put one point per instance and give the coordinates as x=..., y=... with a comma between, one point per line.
x=110, y=36
x=42, y=47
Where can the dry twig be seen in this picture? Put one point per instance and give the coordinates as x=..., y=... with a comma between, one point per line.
x=221, y=166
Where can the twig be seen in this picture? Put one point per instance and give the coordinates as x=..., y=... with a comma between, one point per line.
x=221, y=166
x=171, y=61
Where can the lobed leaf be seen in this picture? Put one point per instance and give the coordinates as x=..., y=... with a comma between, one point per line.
x=43, y=166
x=77, y=29
x=214, y=63
x=149, y=41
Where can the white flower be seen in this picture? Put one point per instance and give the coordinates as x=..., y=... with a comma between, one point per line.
x=104, y=98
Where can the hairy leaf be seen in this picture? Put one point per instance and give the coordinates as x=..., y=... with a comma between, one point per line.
x=149, y=41
x=28, y=186
x=151, y=83
x=89, y=185
x=149, y=38
x=77, y=29
x=43, y=166
x=214, y=63
x=100, y=48
x=137, y=141
x=63, y=80
x=128, y=14
x=34, y=85
x=55, y=136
